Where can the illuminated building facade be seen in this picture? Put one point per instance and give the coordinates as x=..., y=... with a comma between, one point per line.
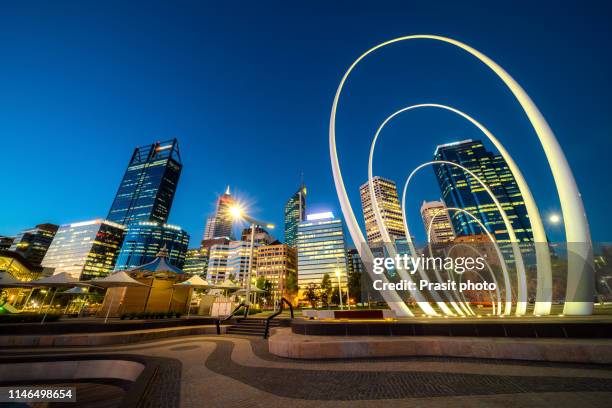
x=385, y=192
x=295, y=212
x=262, y=237
x=353, y=262
x=196, y=262
x=147, y=190
x=85, y=250
x=440, y=230
x=321, y=249
x=33, y=243
x=145, y=239
x=275, y=262
x=238, y=260
x=217, y=270
x=460, y=190
x=220, y=224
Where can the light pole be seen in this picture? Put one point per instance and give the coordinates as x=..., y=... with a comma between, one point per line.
x=238, y=213
x=339, y=285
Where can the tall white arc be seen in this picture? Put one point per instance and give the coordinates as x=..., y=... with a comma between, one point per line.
x=580, y=282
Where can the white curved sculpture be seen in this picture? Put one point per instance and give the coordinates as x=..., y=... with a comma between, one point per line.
x=580, y=284
x=521, y=303
x=544, y=270
x=499, y=253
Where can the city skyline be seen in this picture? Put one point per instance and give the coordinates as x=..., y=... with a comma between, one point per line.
x=205, y=175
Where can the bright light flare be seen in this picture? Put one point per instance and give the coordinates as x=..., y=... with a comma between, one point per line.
x=236, y=212
x=554, y=218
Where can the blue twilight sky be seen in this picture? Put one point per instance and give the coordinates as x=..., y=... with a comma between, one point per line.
x=247, y=88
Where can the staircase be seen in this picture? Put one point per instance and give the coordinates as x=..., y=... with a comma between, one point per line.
x=252, y=326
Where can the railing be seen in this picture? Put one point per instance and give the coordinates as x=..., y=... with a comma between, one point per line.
x=272, y=316
x=219, y=321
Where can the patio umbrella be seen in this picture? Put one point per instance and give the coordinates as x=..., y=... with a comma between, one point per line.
x=8, y=281
x=226, y=284
x=116, y=280
x=254, y=289
x=194, y=282
x=60, y=280
x=76, y=290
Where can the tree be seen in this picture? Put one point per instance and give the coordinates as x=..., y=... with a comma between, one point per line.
x=291, y=285
x=326, y=289
x=311, y=294
x=354, y=284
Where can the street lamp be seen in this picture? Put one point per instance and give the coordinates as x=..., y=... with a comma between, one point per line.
x=238, y=213
x=339, y=288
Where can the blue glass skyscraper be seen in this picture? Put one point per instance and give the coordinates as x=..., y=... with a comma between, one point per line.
x=149, y=184
x=461, y=190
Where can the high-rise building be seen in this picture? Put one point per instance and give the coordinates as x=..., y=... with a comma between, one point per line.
x=33, y=243
x=144, y=239
x=385, y=192
x=321, y=249
x=295, y=212
x=275, y=262
x=461, y=190
x=261, y=237
x=85, y=250
x=196, y=262
x=149, y=184
x=238, y=261
x=217, y=270
x=220, y=224
x=6, y=242
x=209, y=229
x=353, y=261
x=437, y=222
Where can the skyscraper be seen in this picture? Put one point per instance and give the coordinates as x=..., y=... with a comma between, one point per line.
x=218, y=270
x=196, y=262
x=239, y=254
x=461, y=190
x=440, y=230
x=385, y=192
x=275, y=262
x=295, y=212
x=85, y=250
x=261, y=237
x=144, y=239
x=321, y=249
x=220, y=224
x=149, y=184
x=33, y=243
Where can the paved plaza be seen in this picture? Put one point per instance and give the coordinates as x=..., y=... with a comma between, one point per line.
x=232, y=371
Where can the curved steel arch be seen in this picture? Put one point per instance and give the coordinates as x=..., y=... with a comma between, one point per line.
x=544, y=270
x=521, y=303
x=580, y=285
x=499, y=254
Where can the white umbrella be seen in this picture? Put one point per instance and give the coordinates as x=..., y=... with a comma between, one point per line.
x=253, y=289
x=116, y=280
x=226, y=284
x=8, y=281
x=60, y=280
x=194, y=282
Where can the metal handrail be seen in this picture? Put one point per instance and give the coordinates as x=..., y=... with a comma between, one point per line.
x=218, y=321
x=272, y=316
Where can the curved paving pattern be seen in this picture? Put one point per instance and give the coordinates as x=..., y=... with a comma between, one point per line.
x=236, y=371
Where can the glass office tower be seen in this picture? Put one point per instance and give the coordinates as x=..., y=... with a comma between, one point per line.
x=144, y=240
x=295, y=212
x=85, y=250
x=148, y=186
x=196, y=262
x=220, y=224
x=321, y=249
x=33, y=243
x=461, y=190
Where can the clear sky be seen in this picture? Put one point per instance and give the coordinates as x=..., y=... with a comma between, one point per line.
x=247, y=88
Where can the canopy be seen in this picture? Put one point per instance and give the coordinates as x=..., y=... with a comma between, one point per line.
x=116, y=280
x=8, y=281
x=195, y=282
x=254, y=289
x=76, y=291
x=226, y=284
x=60, y=280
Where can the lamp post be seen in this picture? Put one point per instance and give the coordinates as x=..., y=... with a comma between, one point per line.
x=238, y=213
x=339, y=286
